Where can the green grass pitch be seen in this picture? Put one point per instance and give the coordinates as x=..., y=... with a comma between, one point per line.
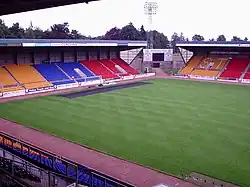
x=172, y=125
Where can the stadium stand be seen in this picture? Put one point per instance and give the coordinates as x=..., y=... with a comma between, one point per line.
x=18, y=171
x=96, y=67
x=200, y=72
x=27, y=76
x=247, y=75
x=213, y=63
x=235, y=68
x=112, y=66
x=125, y=66
x=84, y=175
x=193, y=63
x=7, y=81
x=77, y=71
x=53, y=74
x=210, y=66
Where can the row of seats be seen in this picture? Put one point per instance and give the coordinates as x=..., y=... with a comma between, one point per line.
x=193, y=63
x=18, y=170
x=99, y=69
x=8, y=83
x=27, y=76
x=13, y=77
x=247, y=75
x=235, y=68
x=212, y=66
x=83, y=173
x=209, y=66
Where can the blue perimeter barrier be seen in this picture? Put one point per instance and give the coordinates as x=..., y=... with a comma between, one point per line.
x=58, y=164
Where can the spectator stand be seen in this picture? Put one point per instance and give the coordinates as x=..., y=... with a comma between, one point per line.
x=231, y=60
x=54, y=166
x=44, y=63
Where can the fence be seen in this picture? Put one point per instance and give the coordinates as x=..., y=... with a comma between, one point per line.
x=27, y=174
x=48, y=163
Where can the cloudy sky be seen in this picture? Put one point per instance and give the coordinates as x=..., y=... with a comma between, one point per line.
x=207, y=17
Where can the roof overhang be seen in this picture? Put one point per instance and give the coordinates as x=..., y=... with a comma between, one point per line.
x=215, y=46
x=70, y=43
x=17, y=6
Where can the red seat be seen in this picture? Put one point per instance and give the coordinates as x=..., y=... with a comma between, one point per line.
x=96, y=67
x=235, y=68
x=247, y=76
x=125, y=66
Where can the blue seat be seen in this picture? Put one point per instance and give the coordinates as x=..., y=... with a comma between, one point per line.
x=70, y=66
x=52, y=74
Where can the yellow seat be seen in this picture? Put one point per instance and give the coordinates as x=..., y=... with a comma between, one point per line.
x=27, y=75
x=201, y=72
x=11, y=89
x=194, y=61
x=7, y=82
x=215, y=62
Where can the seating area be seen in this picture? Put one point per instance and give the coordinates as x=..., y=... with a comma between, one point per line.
x=43, y=77
x=247, y=75
x=209, y=66
x=113, y=67
x=77, y=71
x=84, y=176
x=8, y=83
x=235, y=68
x=27, y=76
x=18, y=171
x=53, y=74
x=125, y=66
x=96, y=67
x=213, y=63
x=201, y=72
x=193, y=63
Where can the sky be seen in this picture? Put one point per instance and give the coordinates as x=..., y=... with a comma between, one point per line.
x=209, y=18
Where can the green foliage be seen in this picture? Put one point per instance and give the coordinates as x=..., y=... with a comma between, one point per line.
x=221, y=38
x=236, y=38
x=198, y=37
x=62, y=31
x=172, y=125
x=128, y=32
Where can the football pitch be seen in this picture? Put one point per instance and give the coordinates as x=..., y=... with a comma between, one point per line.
x=172, y=125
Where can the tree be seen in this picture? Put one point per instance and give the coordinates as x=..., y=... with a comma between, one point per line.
x=236, y=38
x=198, y=37
x=59, y=31
x=176, y=38
x=4, y=30
x=160, y=40
x=129, y=32
x=245, y=39
x=76, y=35
x=17, y=31
x=143, y=33
x=113, y=34
x=221, y=38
